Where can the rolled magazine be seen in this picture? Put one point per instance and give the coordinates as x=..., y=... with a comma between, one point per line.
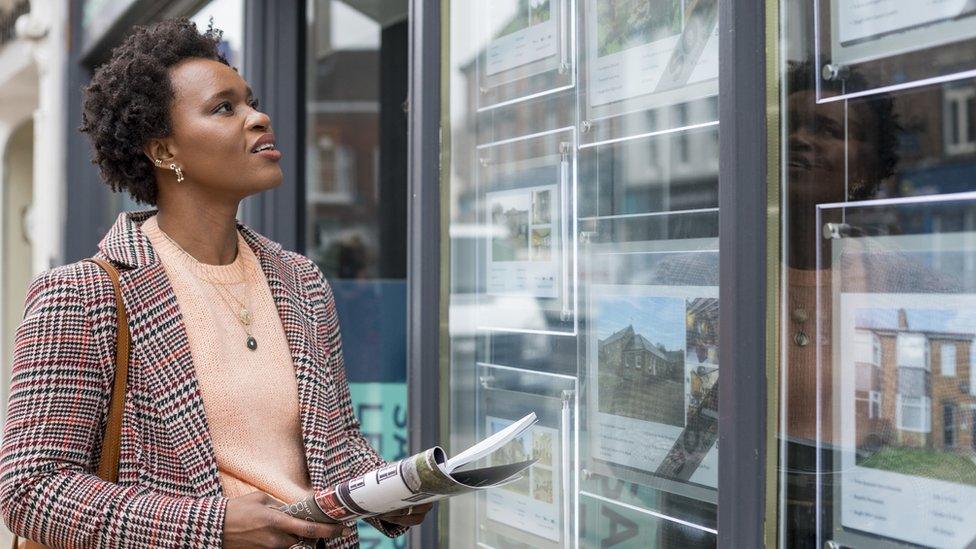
x=421, y=478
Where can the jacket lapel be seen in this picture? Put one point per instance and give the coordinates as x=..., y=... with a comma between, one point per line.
x=290, y=297
x=161, y=346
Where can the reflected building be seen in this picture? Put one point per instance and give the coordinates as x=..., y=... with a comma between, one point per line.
x=914, y=386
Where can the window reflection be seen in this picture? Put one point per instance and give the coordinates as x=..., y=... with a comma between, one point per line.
x=355, y=201
x=879, y=276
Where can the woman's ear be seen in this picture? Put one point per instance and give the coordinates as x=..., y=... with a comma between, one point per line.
x=157, y=150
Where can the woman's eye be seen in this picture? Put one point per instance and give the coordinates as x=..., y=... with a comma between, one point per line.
x=254, y=105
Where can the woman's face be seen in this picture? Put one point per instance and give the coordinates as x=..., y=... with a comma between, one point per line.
x=817, y=143
x=216, y=123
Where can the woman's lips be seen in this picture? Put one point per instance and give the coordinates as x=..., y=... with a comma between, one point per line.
x=270, y=154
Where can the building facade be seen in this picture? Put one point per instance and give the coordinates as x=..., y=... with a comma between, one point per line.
x=665, y=227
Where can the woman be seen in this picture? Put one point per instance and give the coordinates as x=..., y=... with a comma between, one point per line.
x=237, y=397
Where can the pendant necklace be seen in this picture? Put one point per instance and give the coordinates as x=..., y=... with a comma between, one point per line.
x=243, y=313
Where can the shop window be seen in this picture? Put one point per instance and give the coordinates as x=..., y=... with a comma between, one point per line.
x=960, y=114
x=947, y=359
x=355, y=201
x=914, y=414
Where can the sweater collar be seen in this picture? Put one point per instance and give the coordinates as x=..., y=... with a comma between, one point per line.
x=126, y=244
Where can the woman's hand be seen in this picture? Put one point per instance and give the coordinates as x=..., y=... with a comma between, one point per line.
x=411, y=516
x=254, y=521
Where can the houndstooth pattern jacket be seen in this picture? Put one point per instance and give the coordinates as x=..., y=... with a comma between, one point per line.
x=168, y=493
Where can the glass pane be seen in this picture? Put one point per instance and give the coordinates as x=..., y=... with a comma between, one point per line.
x=583, y=228
x=355, y=203
x=884, y=44
x=877, y=330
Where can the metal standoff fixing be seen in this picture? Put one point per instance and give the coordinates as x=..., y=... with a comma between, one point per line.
x=833, y=231
x=831, y=71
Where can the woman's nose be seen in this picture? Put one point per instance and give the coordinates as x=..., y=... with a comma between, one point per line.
x=260, y=120
x=801, y=139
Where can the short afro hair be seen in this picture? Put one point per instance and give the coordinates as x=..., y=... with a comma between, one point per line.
x=128, y=100
x=801, y=76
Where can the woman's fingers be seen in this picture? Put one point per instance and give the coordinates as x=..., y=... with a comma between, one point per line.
x=414, y=517
x=307, y=529
x=407, y=520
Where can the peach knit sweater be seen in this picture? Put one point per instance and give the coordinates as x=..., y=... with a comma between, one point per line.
x=250, y=397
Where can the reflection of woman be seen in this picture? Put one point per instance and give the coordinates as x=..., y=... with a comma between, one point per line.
x=830, y=159
x=836, y=151
x=237, y=395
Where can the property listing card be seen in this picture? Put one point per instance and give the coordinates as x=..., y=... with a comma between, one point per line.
x=521, y=31
x=524, y=249
x=907, y=421
x=653, y=369
x=639, y=48
x=531, y=504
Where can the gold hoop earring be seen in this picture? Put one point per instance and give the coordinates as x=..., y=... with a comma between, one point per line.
x=179, y=173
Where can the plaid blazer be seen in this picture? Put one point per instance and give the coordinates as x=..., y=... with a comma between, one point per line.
x=168, y=492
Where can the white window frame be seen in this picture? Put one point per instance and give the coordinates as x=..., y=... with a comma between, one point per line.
x=876, y=348
x=926, y=358
x=972, y=369
x=950, y=425
x=874, y=404
x=960, y=96
x=924, y=403
x=943, y=362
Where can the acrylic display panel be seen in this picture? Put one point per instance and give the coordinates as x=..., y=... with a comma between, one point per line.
x=573, y=195
x=639, y=57
x=650, y=364
x=870, y=47
x=897, y=402
x=528, y=49
x=616, y=514
x=528, y=218
x=539, y=509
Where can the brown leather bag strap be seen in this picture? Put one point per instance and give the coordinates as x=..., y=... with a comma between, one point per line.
x=108, y=465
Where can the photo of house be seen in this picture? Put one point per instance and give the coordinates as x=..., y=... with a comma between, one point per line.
x=915, y=401
x=641, y=367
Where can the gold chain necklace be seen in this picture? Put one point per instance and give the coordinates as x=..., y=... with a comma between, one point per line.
x=244, y=314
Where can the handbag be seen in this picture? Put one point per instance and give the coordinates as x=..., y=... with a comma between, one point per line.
x=108, y=465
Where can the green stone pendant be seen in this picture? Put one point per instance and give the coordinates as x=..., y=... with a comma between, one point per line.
x=252, y=343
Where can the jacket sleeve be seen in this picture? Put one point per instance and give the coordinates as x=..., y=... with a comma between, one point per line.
x=52, y=437
x=362, y=458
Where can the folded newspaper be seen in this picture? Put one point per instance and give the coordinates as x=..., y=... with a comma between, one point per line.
x=422, y=478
